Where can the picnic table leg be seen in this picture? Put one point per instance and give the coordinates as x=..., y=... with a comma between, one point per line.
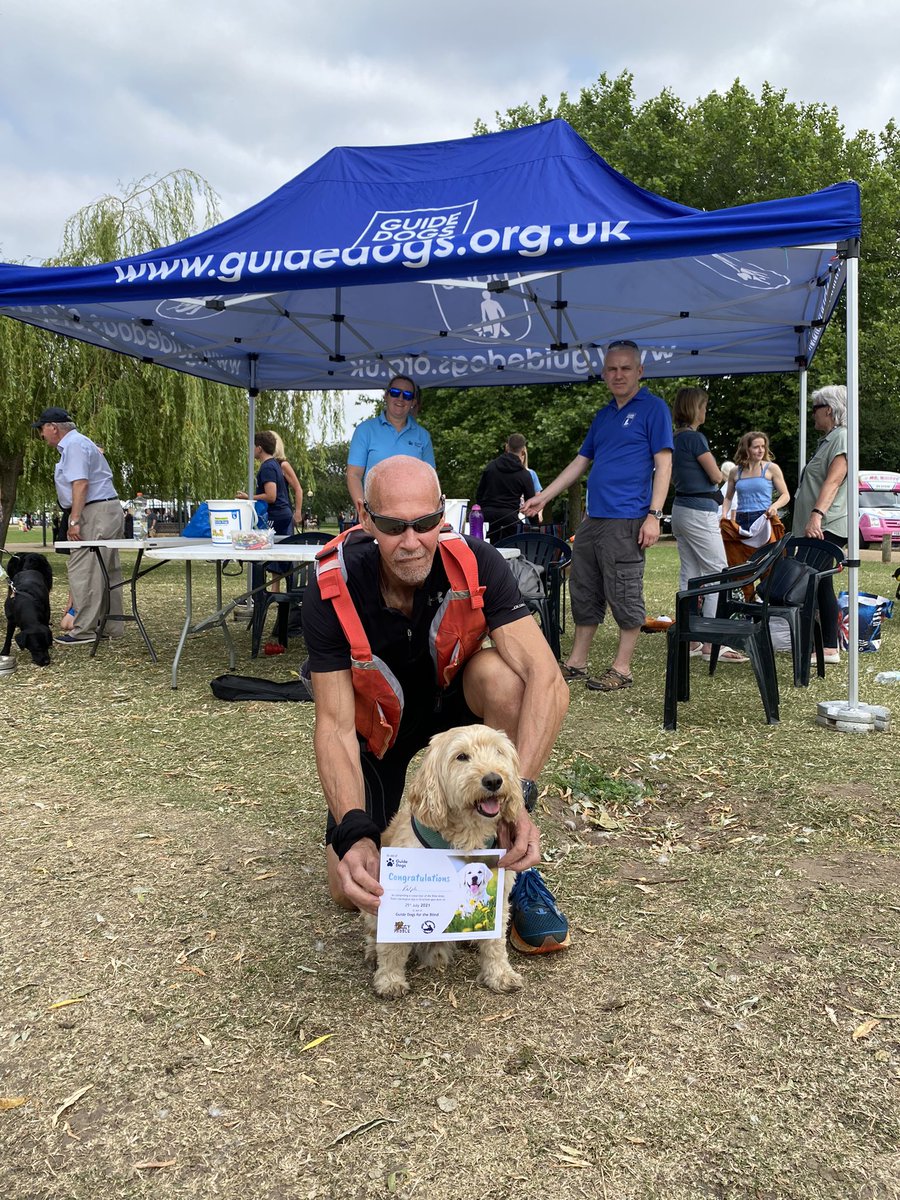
x=223, y=619
x=135, y=576
x=188, y=612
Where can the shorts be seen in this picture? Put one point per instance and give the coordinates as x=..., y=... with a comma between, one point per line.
x=608, y=568
x=385, y=778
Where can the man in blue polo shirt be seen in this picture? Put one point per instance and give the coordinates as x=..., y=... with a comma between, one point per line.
x=630, y=446
x=394, y=431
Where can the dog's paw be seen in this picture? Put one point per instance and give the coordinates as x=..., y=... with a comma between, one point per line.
x=437, y=955
x=500, y=979
x=390, y=986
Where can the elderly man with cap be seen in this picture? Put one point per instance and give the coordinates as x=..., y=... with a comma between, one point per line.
x=86, y=494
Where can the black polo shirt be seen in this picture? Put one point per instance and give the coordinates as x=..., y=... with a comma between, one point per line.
x=401, y=641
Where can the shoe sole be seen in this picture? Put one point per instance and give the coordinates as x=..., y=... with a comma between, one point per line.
x=549, y=945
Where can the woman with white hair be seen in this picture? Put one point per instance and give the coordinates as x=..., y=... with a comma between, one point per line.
x=820, y=506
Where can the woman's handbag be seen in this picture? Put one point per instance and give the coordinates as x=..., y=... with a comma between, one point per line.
x=786, y=585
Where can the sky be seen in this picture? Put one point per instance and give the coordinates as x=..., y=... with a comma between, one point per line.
x=94, y=96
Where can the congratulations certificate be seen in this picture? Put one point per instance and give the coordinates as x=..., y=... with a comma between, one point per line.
x=439, y=895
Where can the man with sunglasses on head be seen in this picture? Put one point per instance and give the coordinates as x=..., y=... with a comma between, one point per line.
x=394, y=431
x=417, y=603
x=628, y=449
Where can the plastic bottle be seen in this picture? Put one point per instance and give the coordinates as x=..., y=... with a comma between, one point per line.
x=139, y=508
x=888, y=677
x=476, y=521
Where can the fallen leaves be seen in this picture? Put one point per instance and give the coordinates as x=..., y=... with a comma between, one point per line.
x=155, y=1164
x=7, y=1103
x=64, y=1003
x=863, y=1031
x=316, y=1042
x=68, y=1102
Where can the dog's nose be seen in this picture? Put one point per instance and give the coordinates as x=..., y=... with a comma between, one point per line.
x=491, y=782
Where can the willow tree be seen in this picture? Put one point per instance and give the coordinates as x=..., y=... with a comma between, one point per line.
x=166, y=434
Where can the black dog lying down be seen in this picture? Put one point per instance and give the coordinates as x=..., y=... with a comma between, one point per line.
x=28, y=606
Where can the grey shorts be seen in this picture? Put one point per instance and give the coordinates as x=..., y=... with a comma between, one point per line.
x=608, y=568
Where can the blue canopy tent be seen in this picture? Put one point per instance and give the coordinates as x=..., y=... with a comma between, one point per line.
x=504, y=259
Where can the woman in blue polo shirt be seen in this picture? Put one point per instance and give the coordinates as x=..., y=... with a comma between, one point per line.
x=394, y=431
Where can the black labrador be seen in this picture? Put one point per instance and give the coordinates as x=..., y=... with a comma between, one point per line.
x=28, y=606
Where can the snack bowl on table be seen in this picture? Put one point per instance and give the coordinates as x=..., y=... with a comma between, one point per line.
x=253, y=539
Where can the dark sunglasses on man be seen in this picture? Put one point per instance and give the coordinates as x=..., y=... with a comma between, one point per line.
x=396, y=393
x=394, y=527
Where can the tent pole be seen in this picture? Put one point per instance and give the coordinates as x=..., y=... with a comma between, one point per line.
x=252, y=393
x=853, y=475
x=801, y=457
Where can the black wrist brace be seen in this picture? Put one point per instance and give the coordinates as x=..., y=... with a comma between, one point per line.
x=354, y=826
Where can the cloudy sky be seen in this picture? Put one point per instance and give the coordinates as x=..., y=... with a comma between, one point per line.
x=98, y=94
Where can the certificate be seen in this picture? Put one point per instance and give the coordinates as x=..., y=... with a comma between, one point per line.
x=439, y=895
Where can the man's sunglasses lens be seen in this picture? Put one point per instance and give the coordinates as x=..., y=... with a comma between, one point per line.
x=394, y=528
x=395, y=392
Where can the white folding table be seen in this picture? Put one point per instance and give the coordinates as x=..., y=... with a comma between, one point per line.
x=207, y=551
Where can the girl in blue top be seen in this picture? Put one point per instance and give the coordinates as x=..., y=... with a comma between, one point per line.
x=753, y=480
x=695, y=509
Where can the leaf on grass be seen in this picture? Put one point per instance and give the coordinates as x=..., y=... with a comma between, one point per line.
x=568, y=1161
x=316, y=1042
x=447, y=1104
x=9, y=1102
x=863, y=1031
x=68, y=1102
x=204, y=1039
x=267, y=875
x=155, y=1164
x=501, y=1016
x=454, y=1003
x=603, y=819
x=194, y=970
x=64, y=1003
x=832, y=1015
x=363, y=1127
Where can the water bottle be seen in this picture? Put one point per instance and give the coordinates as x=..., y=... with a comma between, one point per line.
x=139, y=508
x=888, y=677
x=476, y=521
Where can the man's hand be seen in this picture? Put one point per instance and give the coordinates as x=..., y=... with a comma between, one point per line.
x=73, y=533
x=358, y=874
x=522, y=843
x=814, y=527
x=649, y=532
x=533, y=506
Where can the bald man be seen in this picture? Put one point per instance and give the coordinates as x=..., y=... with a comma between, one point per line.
x=395, y=578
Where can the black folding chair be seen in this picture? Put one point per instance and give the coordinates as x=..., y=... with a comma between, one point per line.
x=297, y=577
x=551, y=555
x=749, y=633
x=792, y=589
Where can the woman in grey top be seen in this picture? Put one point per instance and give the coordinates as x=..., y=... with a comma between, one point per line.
x=820, y=506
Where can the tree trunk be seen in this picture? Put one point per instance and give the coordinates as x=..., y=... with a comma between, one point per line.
x=10, y=470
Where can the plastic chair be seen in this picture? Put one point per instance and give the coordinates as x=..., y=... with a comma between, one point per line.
x=749, y=633
x=551, y=555
x=824, y=559
x=298, y=576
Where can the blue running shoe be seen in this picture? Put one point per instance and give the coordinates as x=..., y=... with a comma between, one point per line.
x=537, y=926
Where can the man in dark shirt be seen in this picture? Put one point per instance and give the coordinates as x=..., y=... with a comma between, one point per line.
x=397, y=583
x=504, y=486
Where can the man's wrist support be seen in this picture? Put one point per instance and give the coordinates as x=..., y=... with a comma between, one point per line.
x=354, y=826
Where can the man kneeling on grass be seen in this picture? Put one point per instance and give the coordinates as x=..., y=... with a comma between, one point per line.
x=410, y=590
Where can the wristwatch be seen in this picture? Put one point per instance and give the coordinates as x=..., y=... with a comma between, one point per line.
x=529, y=794
x=656, y=512
x=819, y=511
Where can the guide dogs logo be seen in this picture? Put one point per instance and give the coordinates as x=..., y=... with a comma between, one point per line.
x=188, y=308
x=738, y=270
x=476, y=313
x=417, y=224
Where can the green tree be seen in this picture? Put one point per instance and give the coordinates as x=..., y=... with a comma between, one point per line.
x=327, y=494
x=725, y=149
x=165, y=433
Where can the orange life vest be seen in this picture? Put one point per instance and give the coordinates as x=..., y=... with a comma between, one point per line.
x=457, y=631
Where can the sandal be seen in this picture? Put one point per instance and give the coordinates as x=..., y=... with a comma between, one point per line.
x=569, y=673
x=727, y=655
x=696, y=651
x=610, y=681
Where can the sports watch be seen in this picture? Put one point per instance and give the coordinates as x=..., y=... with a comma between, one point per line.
x=529, y=794
x=656, y=512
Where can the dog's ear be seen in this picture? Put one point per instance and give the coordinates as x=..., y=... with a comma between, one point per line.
x=45, y=569
x=426, y=794
x=13, y=565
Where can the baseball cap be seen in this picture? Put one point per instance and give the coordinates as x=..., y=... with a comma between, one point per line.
x=56, y=416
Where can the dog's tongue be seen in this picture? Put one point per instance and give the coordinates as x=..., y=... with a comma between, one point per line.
x=489, y=807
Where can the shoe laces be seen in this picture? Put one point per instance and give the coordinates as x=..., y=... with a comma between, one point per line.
x=530, y=890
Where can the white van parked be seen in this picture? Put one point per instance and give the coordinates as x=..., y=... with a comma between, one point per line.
x=879, y=506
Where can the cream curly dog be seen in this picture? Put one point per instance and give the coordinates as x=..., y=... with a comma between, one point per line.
x=467, y=783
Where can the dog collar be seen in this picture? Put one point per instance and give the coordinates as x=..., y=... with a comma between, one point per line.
x=432, y=840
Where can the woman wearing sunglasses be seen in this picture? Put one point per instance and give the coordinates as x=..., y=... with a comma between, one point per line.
x=393, y=431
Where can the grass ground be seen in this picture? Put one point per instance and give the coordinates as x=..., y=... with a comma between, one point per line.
x=184, y=1014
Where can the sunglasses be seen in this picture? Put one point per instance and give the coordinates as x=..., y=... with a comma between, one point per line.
x=623, y=342
x=394, y=527
x=395, y=393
